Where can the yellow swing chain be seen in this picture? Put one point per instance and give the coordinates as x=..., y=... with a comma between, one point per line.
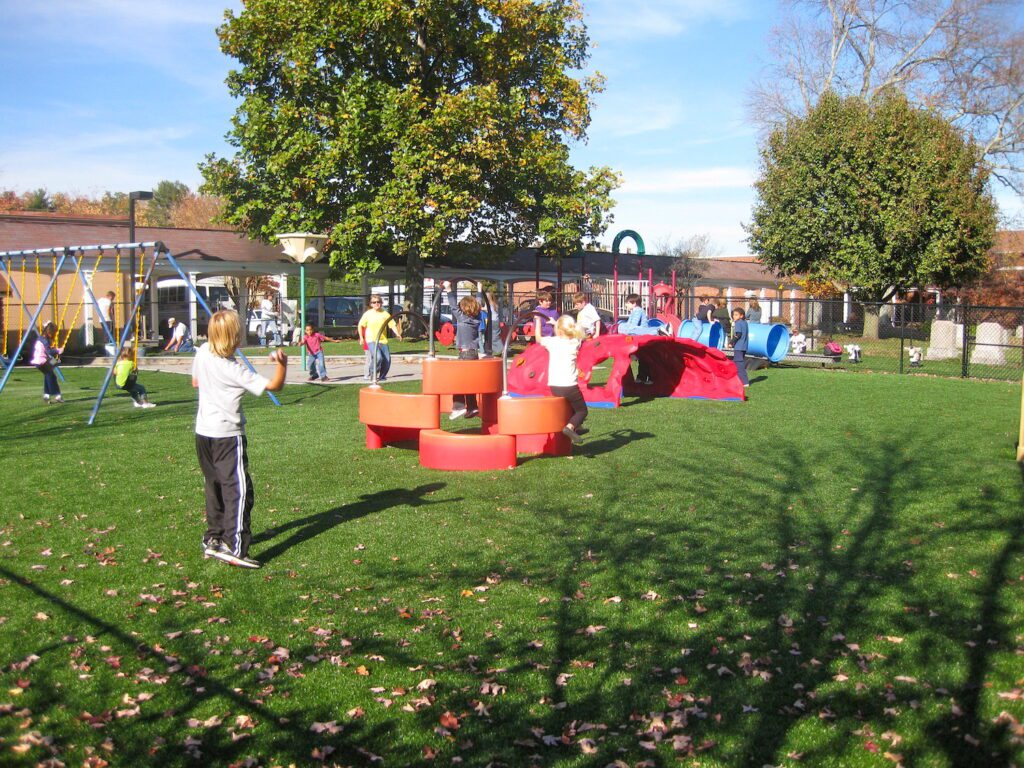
x=78, y=310
x=7, y=307
x=138, y=309
x=117, y=295
x=21, y=315
x=39, y=292
x=67, y=302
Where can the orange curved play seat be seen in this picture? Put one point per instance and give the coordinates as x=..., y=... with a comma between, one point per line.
x=395, y=417
x=442, y=376
x=381, y=408
x=532, y=415
x=454, y=451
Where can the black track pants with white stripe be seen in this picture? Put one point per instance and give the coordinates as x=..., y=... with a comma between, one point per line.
x=229, y=493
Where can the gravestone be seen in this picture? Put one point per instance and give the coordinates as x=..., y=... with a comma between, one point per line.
x=990, y=346
x=943, y=342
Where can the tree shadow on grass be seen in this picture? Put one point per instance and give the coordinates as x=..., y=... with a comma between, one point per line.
x=842, y=636
x=155, y=736
x=305, y=528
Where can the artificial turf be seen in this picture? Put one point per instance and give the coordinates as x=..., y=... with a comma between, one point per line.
x=828, y=574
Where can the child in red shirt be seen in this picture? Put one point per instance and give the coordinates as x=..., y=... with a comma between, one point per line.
x=314, y=345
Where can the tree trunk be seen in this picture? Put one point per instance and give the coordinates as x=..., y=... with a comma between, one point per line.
x=870, y=321
x=414, y=280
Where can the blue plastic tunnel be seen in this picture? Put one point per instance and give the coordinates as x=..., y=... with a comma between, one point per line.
x=768, y=340
x=710, y=334
x=764, y=339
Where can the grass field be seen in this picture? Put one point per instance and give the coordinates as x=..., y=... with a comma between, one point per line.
x=831, y=574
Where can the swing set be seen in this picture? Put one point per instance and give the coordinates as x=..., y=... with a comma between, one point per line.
x=63, y=258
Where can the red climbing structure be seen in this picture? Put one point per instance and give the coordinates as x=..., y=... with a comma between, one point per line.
x=678, y=368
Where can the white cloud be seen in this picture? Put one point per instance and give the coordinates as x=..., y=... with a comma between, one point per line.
x=674, y=180
x=109, y=158
x=97, y=14
x=615, y=20
x=635, y=112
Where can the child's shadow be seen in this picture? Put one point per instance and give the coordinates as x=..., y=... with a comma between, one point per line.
x=611, y=442
x=306, y=528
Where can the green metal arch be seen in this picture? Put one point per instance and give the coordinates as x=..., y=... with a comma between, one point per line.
x=636, y=239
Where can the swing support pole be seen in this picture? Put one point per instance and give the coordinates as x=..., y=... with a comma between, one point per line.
x=35, y=317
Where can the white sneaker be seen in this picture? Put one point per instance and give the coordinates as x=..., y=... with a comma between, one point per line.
x=46, y=399
x=137, y=404
x=472, y=413
x=224, y=555
x=148, y=404
x=212, y=547
x=458, y=413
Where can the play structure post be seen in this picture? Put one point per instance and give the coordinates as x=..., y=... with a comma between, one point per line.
x=35, y=316
x=430, y=326
x=615, y=256
x=302, y=247
x=615, y=288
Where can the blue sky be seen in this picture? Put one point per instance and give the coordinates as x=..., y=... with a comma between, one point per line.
x=119, y=94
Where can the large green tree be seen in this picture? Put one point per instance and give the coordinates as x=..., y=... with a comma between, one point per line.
x=404, y=126
x=167, y=195
x=876, y=195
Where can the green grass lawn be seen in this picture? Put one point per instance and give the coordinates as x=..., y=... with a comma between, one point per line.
x=830, y=574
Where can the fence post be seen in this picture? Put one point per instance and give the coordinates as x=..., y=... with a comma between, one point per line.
x=902, y=336
x=964, y=353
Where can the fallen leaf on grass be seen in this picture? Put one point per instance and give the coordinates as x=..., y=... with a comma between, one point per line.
x=331, y=727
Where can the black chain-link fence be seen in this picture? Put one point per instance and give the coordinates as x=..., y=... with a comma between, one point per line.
x=939, y=339
x=958, y=340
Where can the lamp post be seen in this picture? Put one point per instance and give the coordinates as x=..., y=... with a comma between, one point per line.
x=132, y=197
x=302, y=247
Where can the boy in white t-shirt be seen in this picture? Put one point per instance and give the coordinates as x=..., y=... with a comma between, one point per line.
x=220, y=437
x=586, y=315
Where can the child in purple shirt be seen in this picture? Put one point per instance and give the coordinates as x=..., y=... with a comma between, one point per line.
x=544, y=315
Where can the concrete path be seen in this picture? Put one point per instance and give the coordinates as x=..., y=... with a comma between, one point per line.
x=342, y=369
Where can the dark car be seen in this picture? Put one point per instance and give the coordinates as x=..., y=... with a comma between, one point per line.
x=341, y=313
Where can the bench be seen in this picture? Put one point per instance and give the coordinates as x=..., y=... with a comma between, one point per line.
x=825, y=361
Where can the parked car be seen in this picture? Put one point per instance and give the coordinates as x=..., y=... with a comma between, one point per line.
x=341, y=312
x=256, y=323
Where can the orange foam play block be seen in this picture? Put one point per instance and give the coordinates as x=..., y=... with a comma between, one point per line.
x=461, y=377
x=463, y=452
x=532, y=415
x=381, y=408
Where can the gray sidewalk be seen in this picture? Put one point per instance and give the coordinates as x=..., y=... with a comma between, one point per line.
x=342, y=369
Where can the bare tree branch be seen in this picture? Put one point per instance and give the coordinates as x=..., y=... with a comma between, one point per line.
x=962, y=58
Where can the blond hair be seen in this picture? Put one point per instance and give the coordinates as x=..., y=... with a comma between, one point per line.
x=579, y=298
x=126, y=352
x=225, y=333
x=566, y=327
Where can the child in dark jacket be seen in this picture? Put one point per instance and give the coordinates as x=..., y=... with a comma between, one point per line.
x=740, y=343
x=467, y=340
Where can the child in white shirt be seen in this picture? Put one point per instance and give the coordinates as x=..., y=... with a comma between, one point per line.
x=220, y=437
x=563, y=377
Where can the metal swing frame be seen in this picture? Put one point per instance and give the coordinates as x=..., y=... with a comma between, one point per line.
x=161, y=255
